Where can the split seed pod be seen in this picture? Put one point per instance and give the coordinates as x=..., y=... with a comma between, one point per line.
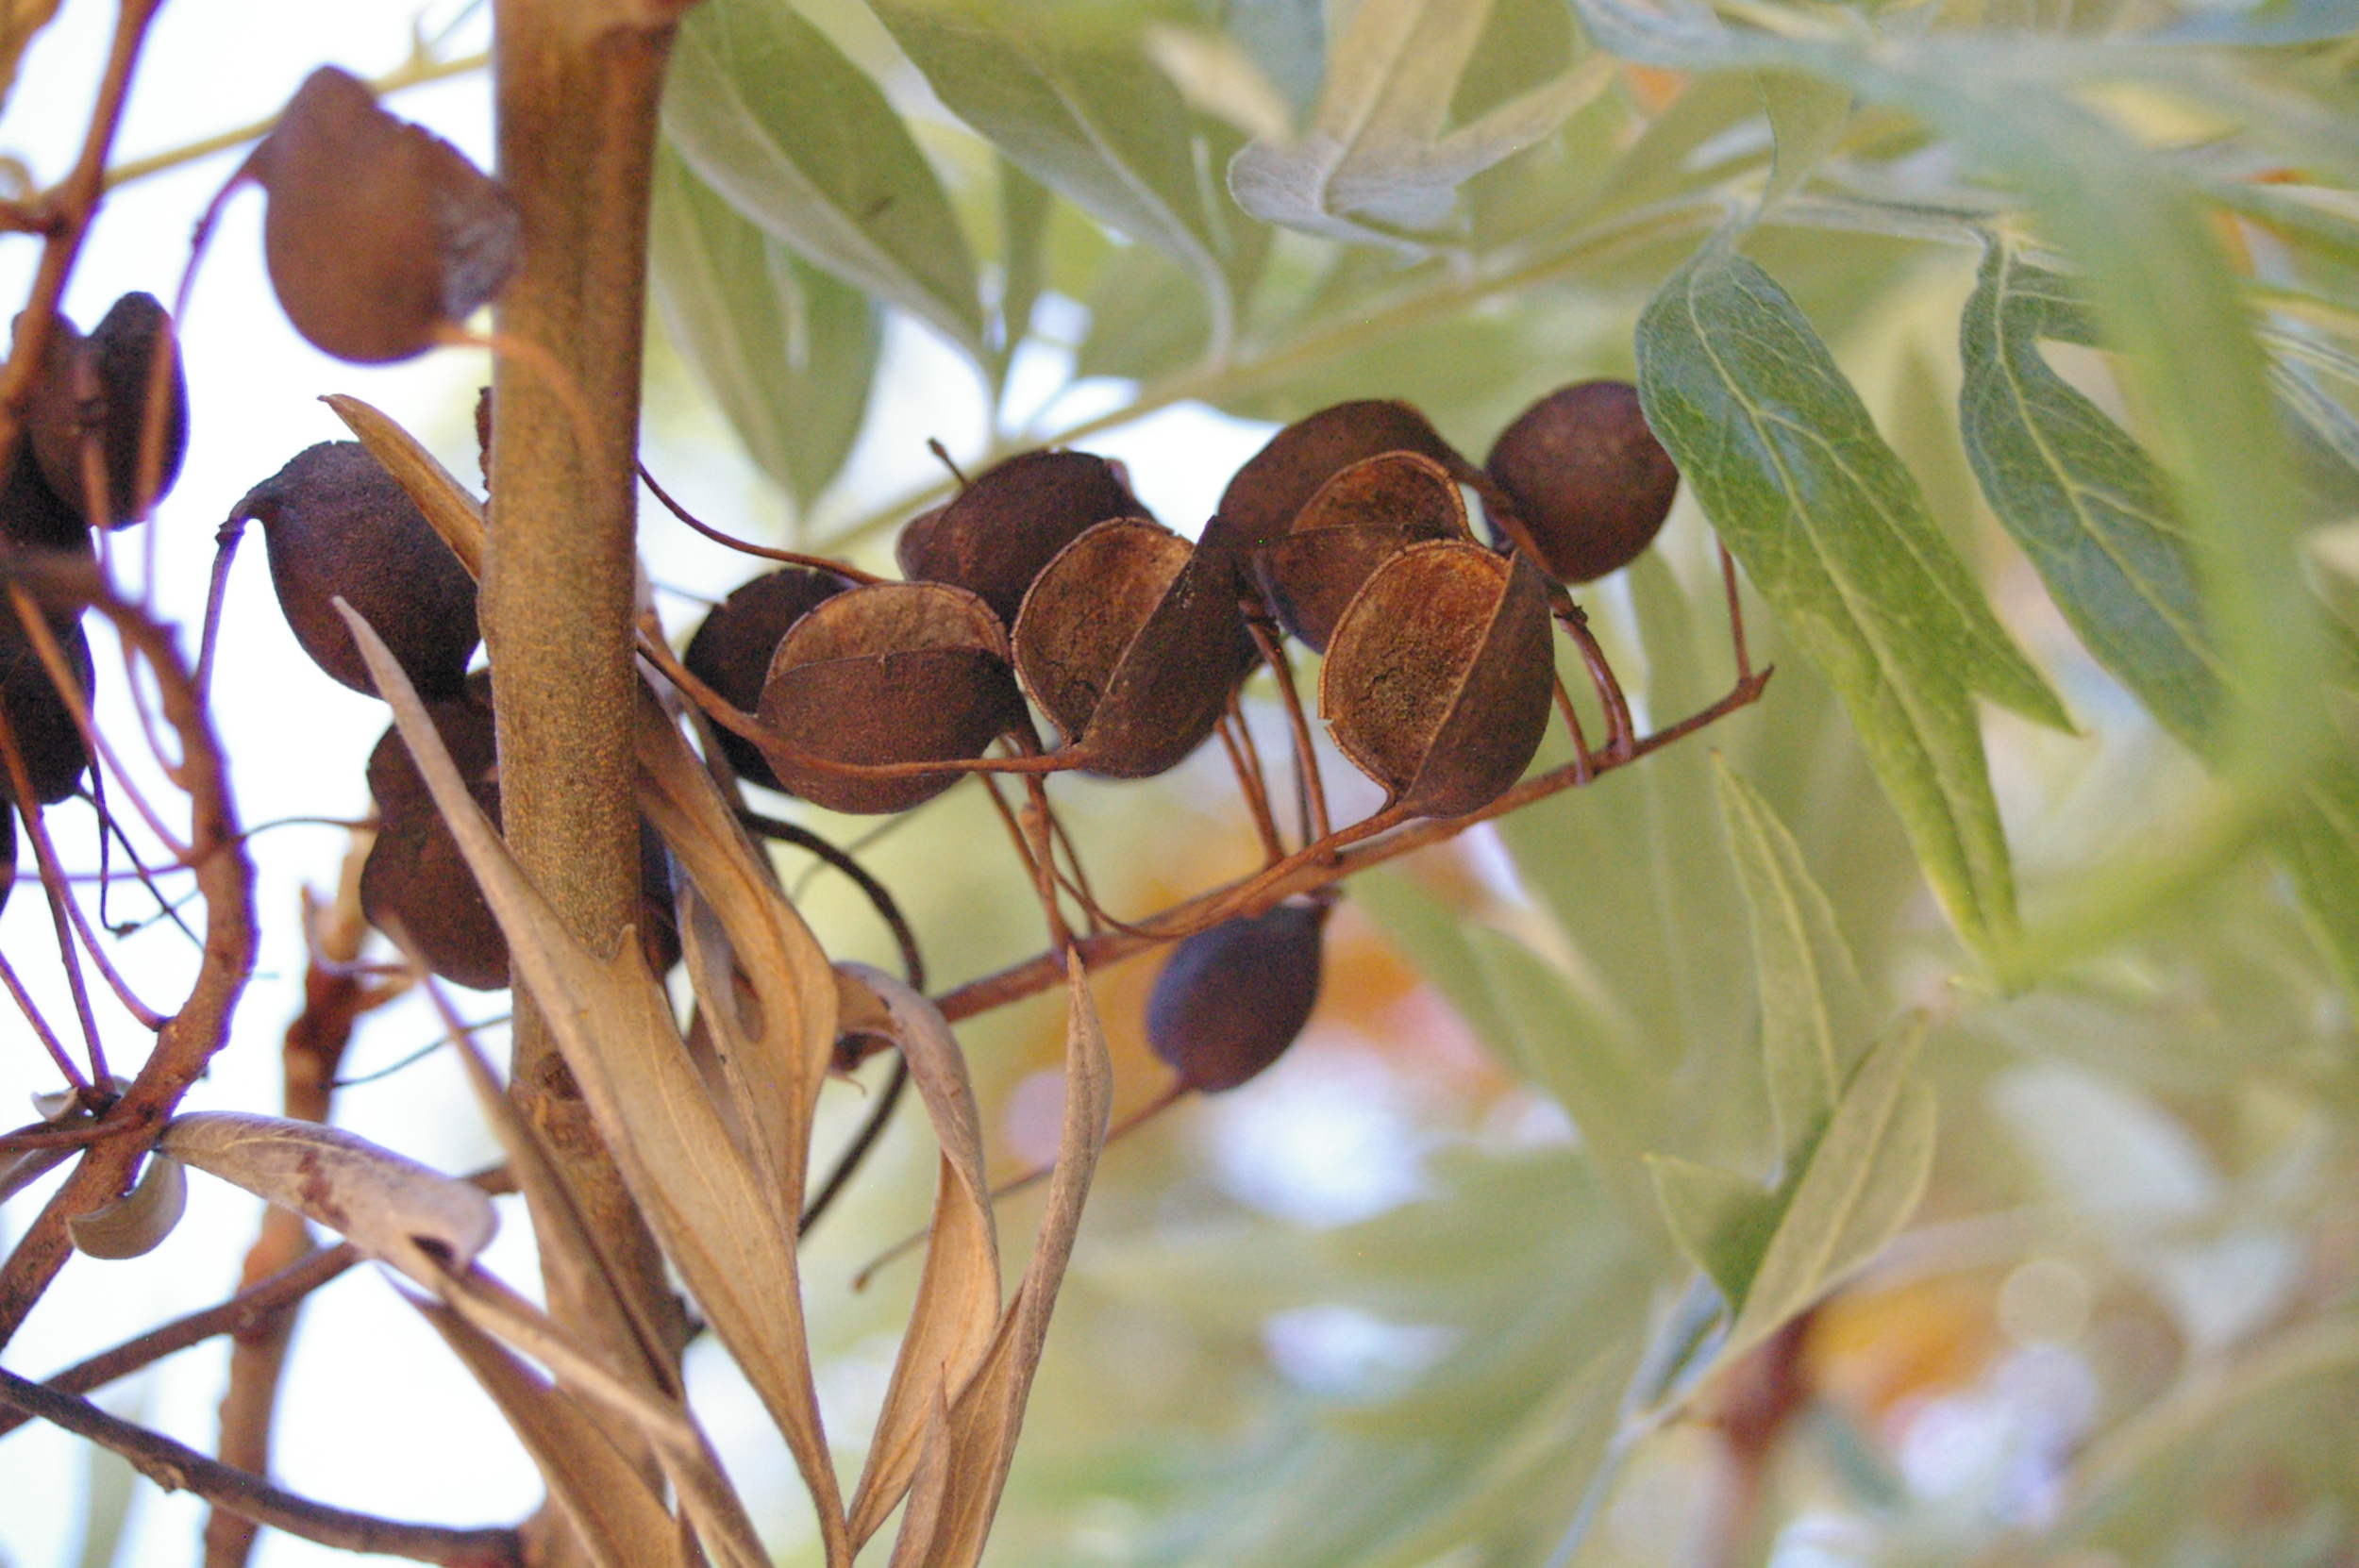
x=1260, y=502
x=338, y=524
x=112, y=365
x=1436, y=683
x=55, y=754
x=417, y=880
x=733, y=649
x=890, y=671
x=1590, y=483
x=1006, y=526
x=1230, y=999
x=1359, y=519
x=379, y=234
x=1130, y=641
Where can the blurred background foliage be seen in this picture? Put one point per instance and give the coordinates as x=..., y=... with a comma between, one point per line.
x=1501, y=1265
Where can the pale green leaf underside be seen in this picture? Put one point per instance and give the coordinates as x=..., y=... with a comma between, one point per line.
x=787, y=351
x=770, y=113
x=2088, y=505
x=1814, y=1020
x=1831, y=529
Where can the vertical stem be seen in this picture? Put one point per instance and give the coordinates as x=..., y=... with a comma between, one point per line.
x=577, y=88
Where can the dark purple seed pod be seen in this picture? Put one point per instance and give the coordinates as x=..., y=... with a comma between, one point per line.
x=1130, y=641
x=732, y=649
x=1436, y=683
x=1259, y=505
x=338, y=525
x=1003, y=528
x=1231, y=998
x=55, y=753
x=887, y=673
x=7, y=855
x=1357, y=521
x=35, y=517
x=415, y=880
x=112, y=366
x=1589, y=482
x=378, y=234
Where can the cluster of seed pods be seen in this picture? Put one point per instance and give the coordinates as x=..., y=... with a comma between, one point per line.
x=1045, y=578
x=105, y=428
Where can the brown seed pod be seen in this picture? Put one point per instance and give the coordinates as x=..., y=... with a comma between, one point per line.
x=889, y=671
x=1590, y=484
x=32, y=515
x=43, y=725
x=339, y=525
x=1003, y=528
x=1358, y=519
x=417, y=880
x=1230, y=999
x=7, y=855
x=113, y=363
x=732, y=649
x=1260, y=502
x=1436, y=683
x=1130, y=641
x=378, y=234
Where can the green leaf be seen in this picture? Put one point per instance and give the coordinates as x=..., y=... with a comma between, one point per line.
x=2319, y=848
x=1722, y=1222
x=1089, y=118
x=1806, y=116
x=1375, y=158
x=1147, y=319
x=1860, y=1185
x=1025, y=204
x=1834, y=533
x=769, y=113
x=2088, y=505
x=786, y=352
x=1815, y=1019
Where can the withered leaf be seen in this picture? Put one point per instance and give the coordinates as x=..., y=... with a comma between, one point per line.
x=947, y=1529
x=957, y=1312
x=1436, y=683
x=614, y=1027
x=379, y=235
x=136, y=1222
x=389, y=1206
x=621, y=1522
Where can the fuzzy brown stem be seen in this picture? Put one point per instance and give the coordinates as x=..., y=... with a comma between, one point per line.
x=577, y=95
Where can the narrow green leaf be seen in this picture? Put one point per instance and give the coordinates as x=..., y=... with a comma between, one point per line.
x=1814, y=1020
x=1806, y=116
x=1863, y=1182
x=1834, y=533
x=1025, y=204
x=786, y=350
x=1090, y=119
x=2319, y=848
x=1721, y=1221
x=1147, y=319
x=768, y=112
x=2088, y=505
x=1376, y=152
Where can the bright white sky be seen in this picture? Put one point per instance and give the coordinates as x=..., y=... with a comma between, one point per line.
x=376, y=1416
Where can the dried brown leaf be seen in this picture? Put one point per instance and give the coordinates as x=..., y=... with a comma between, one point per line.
x=681, y=1447
x=614, y=1026
x=957, y=1312
x=389, y=1206
x=621, y=1522
x=137, y=1221
x=988, y=1414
